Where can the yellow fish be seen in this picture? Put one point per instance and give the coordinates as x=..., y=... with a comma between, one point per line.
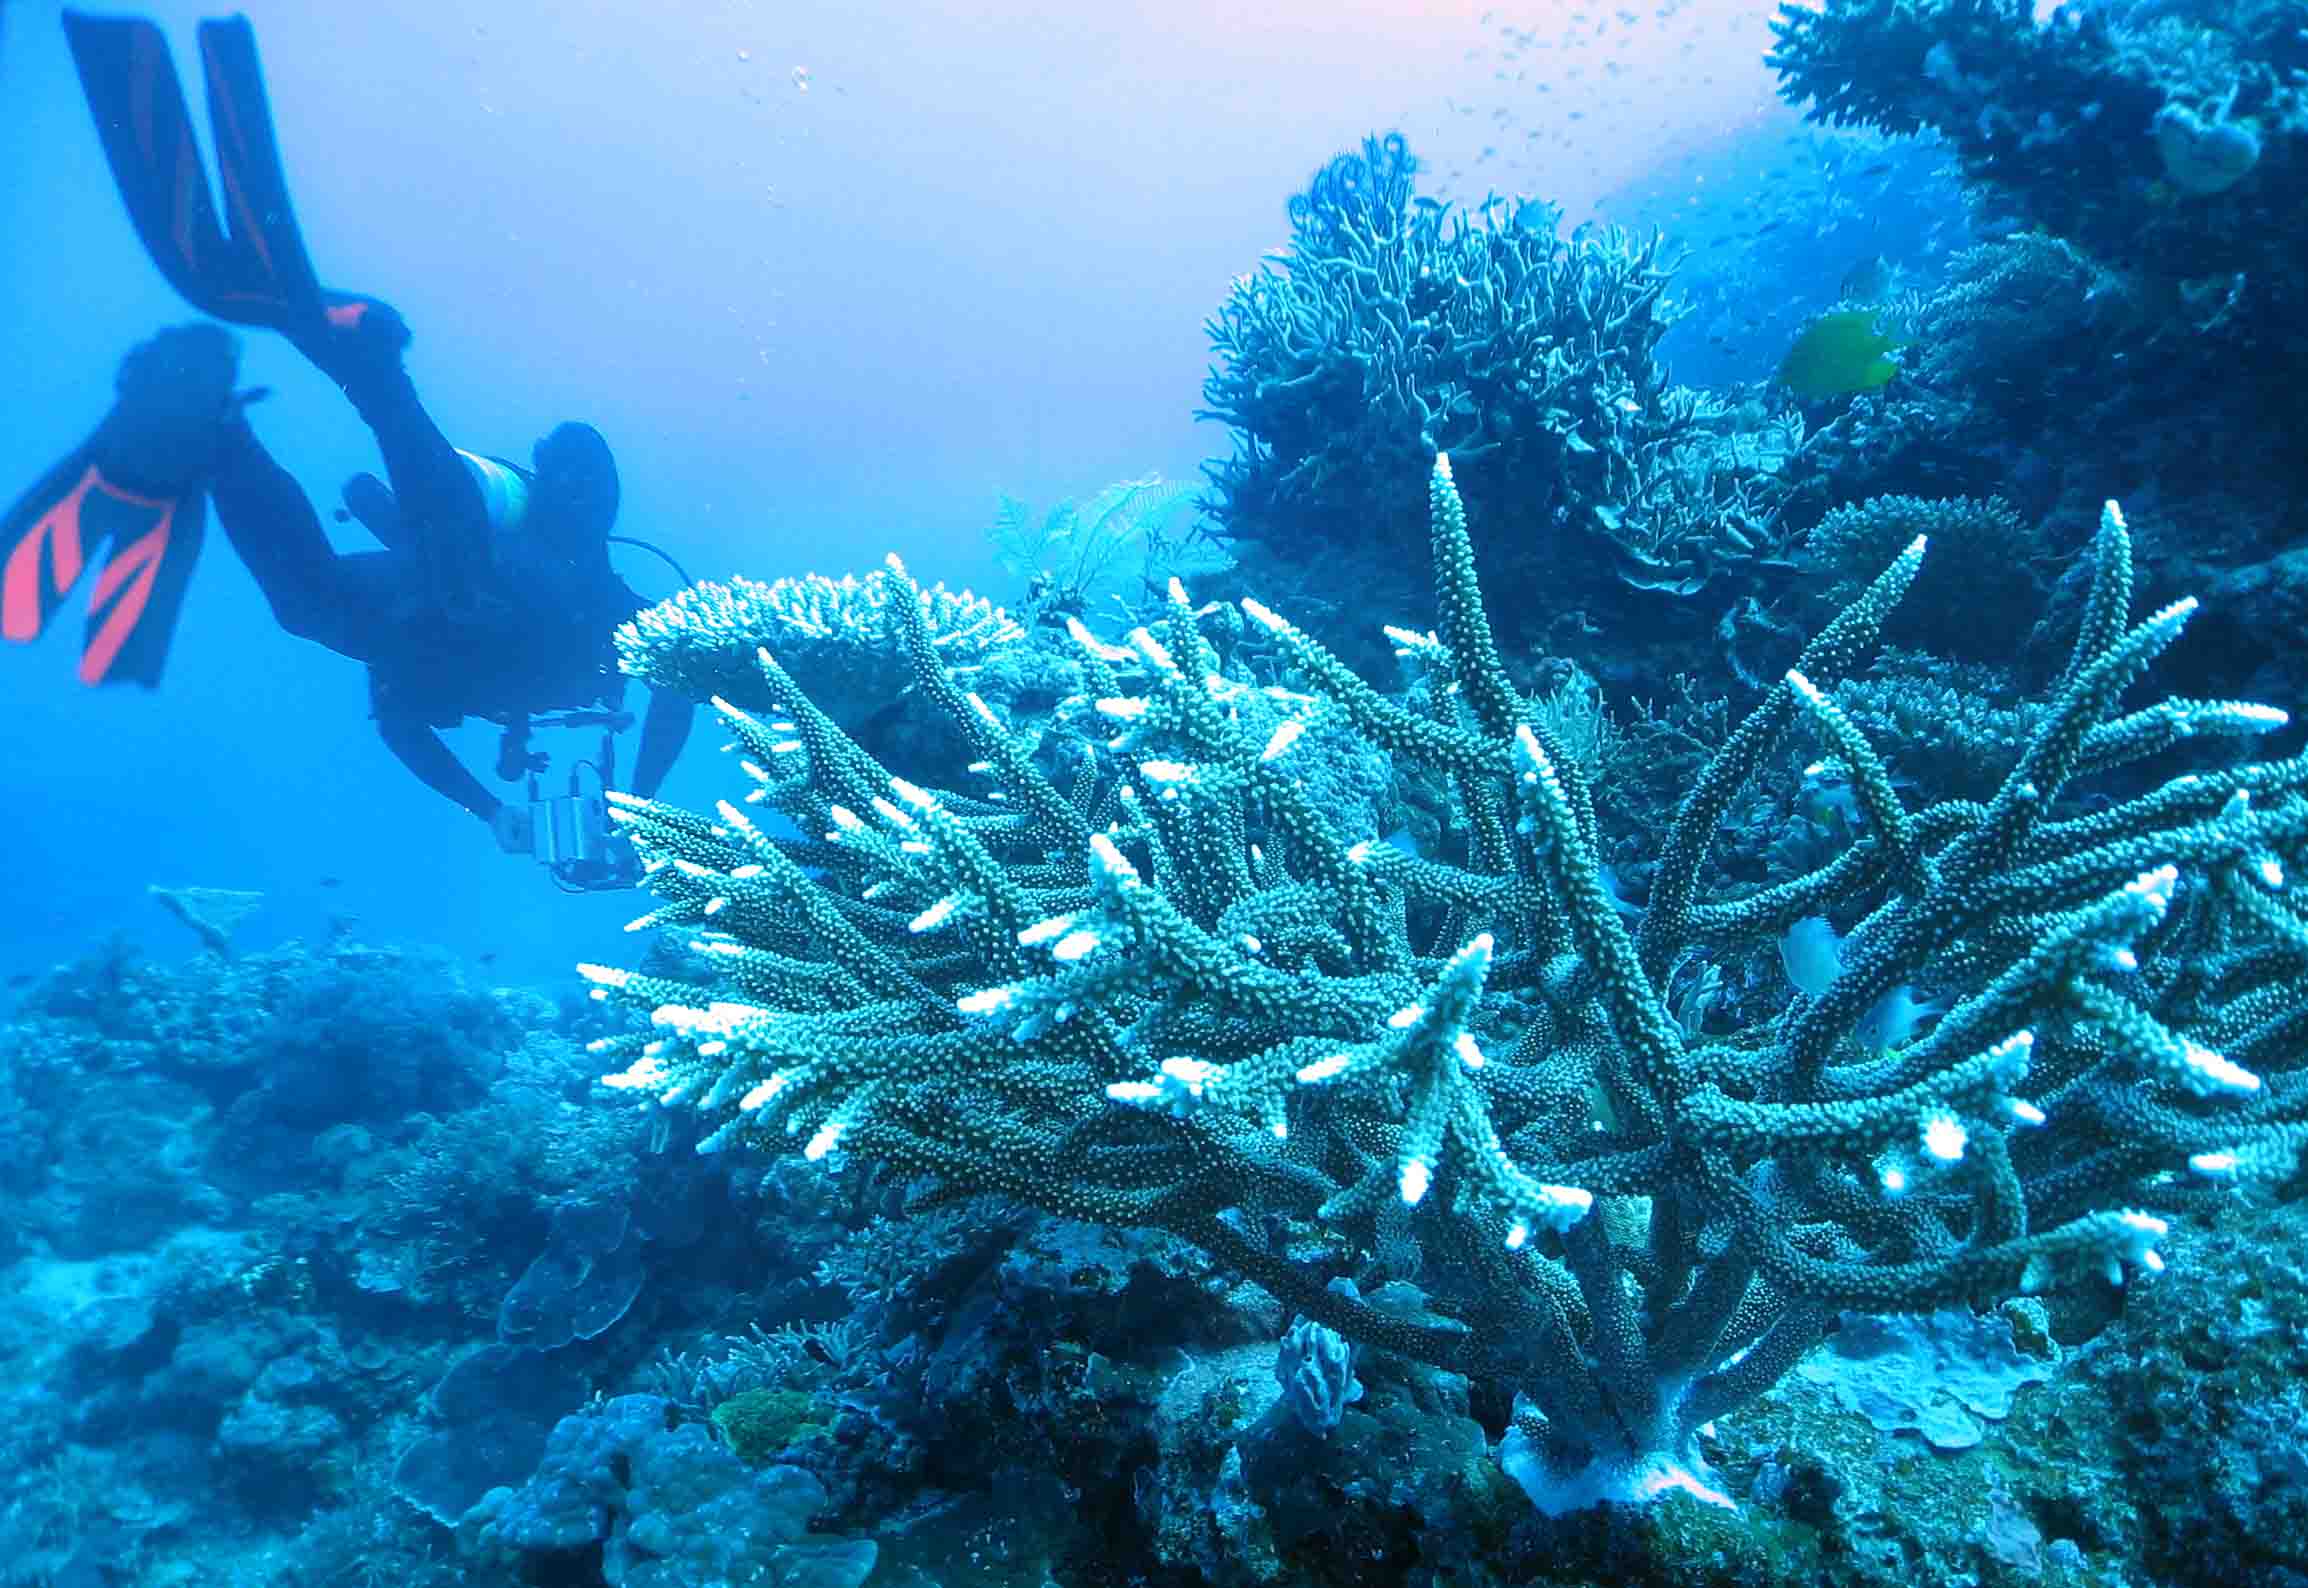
x=1839, y=353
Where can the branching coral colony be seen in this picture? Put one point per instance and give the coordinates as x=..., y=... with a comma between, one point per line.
x=1174, y=995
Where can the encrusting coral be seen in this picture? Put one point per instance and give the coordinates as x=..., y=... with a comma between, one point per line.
x=1177, y=993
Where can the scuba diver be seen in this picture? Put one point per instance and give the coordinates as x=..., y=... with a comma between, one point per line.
x=493, y=596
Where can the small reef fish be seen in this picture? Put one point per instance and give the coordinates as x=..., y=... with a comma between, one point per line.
x=1812, y=956
x=1839, y=354
x=1827, y=800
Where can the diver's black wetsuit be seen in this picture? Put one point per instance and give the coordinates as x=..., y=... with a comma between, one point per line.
x=496, y=607
x=450, y=625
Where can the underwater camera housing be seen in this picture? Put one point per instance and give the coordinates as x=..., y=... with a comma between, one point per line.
x=577, y=844
x=570, y=834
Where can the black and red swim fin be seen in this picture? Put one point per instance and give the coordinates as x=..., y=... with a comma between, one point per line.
x=244, y=261
x=148, y=545
x=129, y=501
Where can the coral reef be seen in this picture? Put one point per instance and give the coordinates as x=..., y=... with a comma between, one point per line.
x=266, y=1201
x=2127, y=322
x=839, y=634
x=2175, y=146
x=665, y=1507
x=1394, y=325
x=1177, y=1110
x=1178, y=995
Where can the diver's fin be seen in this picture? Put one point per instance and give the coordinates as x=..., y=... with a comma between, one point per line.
x=149, y=546
x=256, y=196
x=139, y=592
x=130, y=496
x=43, y=548
x=255, y=273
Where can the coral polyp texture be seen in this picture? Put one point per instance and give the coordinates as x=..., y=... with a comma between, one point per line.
x=1177, y=993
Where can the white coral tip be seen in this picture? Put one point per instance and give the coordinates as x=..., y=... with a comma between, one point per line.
x=936, y=915
x=1110, y=859
x=1944, y=1137
x=2208, y=1072
x=1075, y=945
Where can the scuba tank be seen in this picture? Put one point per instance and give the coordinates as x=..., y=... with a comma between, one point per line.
x=504, y=490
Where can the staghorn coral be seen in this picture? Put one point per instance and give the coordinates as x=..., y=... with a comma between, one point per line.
x=1394, y=325
x=1178, y=995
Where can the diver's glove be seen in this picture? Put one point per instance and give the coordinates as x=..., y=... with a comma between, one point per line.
x=360, y=344
x=515, y=829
